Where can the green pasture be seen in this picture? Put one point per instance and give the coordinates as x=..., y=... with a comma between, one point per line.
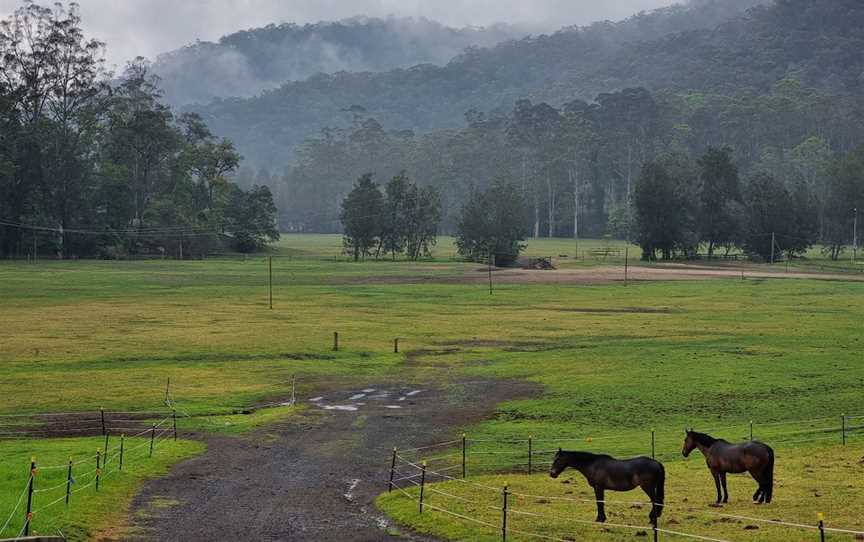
x=609, y=359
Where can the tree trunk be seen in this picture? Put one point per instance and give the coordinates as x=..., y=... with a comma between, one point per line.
x=536, y=217
x=551, y=205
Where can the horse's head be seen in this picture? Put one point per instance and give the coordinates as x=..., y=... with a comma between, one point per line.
x=559, y=463
x=689, y=442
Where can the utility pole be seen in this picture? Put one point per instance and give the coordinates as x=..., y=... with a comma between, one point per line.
x=772, y=248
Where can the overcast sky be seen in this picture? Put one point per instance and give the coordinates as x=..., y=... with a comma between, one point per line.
x=150, y=27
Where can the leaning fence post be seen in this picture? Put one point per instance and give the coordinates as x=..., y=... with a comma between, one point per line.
x=335, y=341
x=105, y=460
x=530, y=452
x=392, y=470
x=463, y=455
x=98, y=468
x=821, y=526
x=102, y=413
x=69, y=481
x=422, y=484
x=504, y=516
x=29, y=515
x=843, y=427
x=174, y=419
x=120, y=466
x=653, y=446
x=152, y=438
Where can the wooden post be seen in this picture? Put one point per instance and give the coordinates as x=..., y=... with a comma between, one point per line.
x=29, y=515
x=152, y=438
x=392, y=471
x=167, y=388
x=293, y=389
x=751, y=429
x=653, y=447
x=530, y=454
x=69, y=481
x=335, y=341
x=105, y=460
x=396, y=345
x=490, y=272
x=422, y=484
x=98, y=468
x=504, y=516
x=174, y=419
x=120, y=467
x=843, y=427
x=463, y=455
x=270, y=260
x=821, y=526
x=626, y=263
x=102, y=413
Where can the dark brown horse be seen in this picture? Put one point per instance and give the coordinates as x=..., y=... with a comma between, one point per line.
x=604, y=472
x=722, y=457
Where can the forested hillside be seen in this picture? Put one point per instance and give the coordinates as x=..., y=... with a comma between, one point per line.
x=572, y=63
x=248, y=62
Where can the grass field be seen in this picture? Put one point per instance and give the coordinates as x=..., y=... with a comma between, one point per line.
x=612, y=360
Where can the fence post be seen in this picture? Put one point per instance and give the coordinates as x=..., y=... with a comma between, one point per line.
x=821, y=526
x=29, y=515
x=167, y=387
x=102, y=413
x=751, y=429
x=653, y=445
x=120, y=467
x=843, y=427
x=463, y=456
x=530, y=452
x=98, y=468
x=105, y=457
x=335, y=341
x=174, y=419
x=293, y=390
x=69, y=481
x=422, y=484
x=152, y=437
x=396, y=345
x=504, y=516
x=392, y=470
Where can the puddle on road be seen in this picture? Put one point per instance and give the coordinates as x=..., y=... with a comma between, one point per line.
x=347, y=401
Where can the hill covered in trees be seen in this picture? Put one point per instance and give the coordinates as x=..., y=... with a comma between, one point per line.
x=248, y=62
x=649, y=49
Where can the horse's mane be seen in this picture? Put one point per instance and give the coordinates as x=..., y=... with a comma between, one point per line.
x=582, y=456
x=704, y=439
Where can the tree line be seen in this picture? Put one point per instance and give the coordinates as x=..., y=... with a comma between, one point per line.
x=576, y=166
x=95, y=167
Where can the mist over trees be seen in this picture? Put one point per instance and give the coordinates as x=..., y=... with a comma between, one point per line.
x=88, y=168
x=248, y=62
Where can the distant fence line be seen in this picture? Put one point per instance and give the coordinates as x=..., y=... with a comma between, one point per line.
x=411, y=470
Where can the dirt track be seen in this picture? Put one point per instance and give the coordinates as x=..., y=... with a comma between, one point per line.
x=312, y=481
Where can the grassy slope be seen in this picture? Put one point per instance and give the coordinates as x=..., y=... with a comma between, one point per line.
x=110, y=333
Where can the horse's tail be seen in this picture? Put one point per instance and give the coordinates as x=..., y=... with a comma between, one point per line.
x=661, y=490
x=769, y=476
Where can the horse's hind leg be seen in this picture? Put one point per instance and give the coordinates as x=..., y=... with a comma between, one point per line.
x=651, y=491
x=762, y=493
x=723, y=484
x=758, y=493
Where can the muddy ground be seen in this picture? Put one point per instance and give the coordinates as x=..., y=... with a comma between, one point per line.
x=309, y=480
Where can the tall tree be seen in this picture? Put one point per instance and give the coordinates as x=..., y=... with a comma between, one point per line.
x=361, y=218
x=493, y=224
x=718, y=214
x=662, y=216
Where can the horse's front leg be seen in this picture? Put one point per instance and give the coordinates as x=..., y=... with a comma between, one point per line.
x=716, y=476
x=601, y=513
x=723, y=483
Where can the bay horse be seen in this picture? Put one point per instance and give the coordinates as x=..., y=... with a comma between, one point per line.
x=604, y=472
x=722, y=457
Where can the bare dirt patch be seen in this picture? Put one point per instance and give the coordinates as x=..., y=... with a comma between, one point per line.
x=312, y=480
